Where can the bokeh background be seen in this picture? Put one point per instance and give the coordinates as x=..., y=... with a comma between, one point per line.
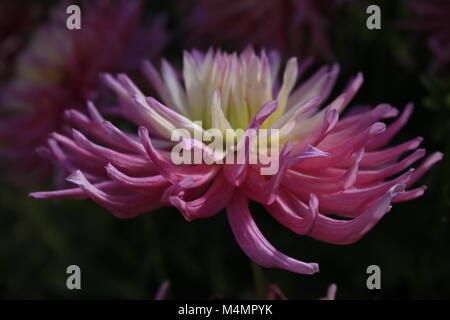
x=129, y=259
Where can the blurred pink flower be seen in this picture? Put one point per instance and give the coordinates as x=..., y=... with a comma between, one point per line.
x=327, y=165
x=433, y=16
x=162, y=291
x=274, y=293
x=293, y=27
x=331, y=292
x=16, y=20
x=59, y=70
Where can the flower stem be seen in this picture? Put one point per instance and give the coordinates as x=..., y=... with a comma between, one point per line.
x=258, y=279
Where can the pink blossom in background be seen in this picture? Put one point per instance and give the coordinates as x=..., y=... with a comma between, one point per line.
x=294, y=27
x=329, y=163
x=433, y=16
x=59, y=70
x=162, y=291
x=331, y=292
x=16, y=21
x=274, y=293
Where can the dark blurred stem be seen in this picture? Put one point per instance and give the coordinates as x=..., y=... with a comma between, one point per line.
x=157, y=253
x=258, y=279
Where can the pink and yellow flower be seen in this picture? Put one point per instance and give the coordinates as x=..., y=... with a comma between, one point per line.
x=59, y=70
x=328, y=164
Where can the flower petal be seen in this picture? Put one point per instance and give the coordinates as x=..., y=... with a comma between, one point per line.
x=253, y=243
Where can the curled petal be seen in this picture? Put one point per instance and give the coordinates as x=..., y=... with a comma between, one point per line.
x=344, y=149
x=265, y=191
x=295, y=180
x=371, y=176
x=424, y=167
x=349, y=231
x=410, y=194
x=121, y=206
x=381, y=157
x=140, y=184
x=391, y=131
x=253, y=243
x=292, y=213
x=317, y=134
x=355, y=123
x=135, y=163
x=349, y=203
x=200, y=173
x=214, y=200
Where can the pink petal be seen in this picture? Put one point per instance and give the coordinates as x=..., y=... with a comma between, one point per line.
x=200, y=173
x=235, y=173
x=140, y=184
x=349, y=231
x=255, y=245
x=215, y=199
x=391, y=131
x=121, y=206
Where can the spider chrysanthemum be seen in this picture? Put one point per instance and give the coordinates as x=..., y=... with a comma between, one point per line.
x=327, y=164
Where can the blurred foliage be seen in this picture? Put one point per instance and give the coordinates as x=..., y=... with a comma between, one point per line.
x=129, y=259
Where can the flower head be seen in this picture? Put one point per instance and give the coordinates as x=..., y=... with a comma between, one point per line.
x=293, y=27
x=59, y=70
x=325, y=165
